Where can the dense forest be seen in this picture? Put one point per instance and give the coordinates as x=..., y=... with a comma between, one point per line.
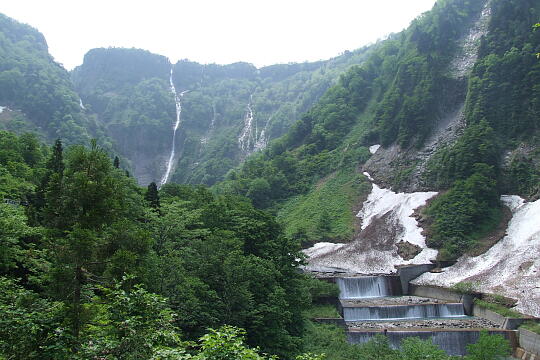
x=92, y=264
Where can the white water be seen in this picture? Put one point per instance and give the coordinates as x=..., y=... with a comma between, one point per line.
x=245, y=140
x=262, y=138
x=511, y=267
x=374, y=251
x=177, y=100
x=81, y=104
x=204, y=139
x=373, y=148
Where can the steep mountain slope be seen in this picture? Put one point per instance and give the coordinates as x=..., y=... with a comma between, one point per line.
x=36, y=93
x=453, y=102
x=228, y=111
x=128, y=90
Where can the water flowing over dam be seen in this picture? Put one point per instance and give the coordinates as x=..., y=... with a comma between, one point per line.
x=409, y=312
x=365, y=287
x=375, y=305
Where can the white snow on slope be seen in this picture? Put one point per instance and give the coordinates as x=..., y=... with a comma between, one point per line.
x=386, y=220
x=373, y=148
x=510, y=268
x=2, y=109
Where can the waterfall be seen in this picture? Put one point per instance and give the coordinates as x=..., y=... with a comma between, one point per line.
x=245, y=140
x=204, y=139
x=403, y=312
x=262, y=138
x=364, y=287
x=177, y=100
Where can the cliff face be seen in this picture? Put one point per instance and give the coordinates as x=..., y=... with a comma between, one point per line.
x=228, y=111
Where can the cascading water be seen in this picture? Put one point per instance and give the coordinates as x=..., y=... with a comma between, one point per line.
x=245, y=140
x=177, y=100
x=262, y=138
x=364, y=287
x=205, y=138
x=403, y=312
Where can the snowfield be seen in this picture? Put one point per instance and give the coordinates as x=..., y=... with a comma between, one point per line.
x=386, y=221
x=373, y=148
x=510, y=268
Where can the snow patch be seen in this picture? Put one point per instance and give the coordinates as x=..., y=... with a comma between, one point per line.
x=322, y=248
x=382, y=201
x=387, y=219
x=2, y=109
x=511, y=267
x=81, y=104
x=373, y=148
x=366, y=174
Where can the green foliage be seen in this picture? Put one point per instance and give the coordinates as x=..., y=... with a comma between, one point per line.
x=31, y=327
x=478, y=144
x=464, y=287
x=320, y=289
x=132, y=324
x=489, y=347
x=226, y=343
x=322, y=311
x=330, y=340
x=417, y=349
x=458, y=214
x=498, y=308
x=152, y=195
x=531, y=326
x=325, y=212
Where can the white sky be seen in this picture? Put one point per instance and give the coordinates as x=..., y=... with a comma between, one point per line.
x=262, y=32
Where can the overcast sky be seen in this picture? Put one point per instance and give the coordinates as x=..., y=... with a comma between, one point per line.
x=262, y=32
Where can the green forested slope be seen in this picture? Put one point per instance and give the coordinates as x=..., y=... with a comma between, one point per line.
x=36, y=90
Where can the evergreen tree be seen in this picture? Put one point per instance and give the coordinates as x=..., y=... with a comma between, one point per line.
x=53, y=183
x=152, y=195
x=116, y=162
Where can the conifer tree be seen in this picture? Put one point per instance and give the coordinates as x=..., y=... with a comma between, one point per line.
x=52, y=186
x=152, y=195
x=116, y=162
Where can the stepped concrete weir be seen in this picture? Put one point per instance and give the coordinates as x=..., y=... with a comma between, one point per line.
x=372, y=305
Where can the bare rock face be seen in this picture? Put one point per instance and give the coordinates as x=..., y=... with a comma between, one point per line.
x=408, y=251
x=403, y=168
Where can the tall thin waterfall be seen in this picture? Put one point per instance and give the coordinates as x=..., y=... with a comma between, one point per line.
x=245, y=140
x=177, y=100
